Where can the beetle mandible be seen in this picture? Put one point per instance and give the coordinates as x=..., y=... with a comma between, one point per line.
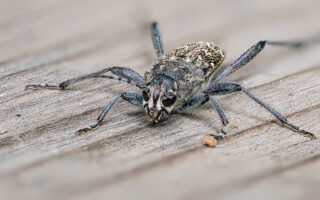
x=183, y=79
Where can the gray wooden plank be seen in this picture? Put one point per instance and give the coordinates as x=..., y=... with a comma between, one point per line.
x=299, y=182
x=128, y=149
x=247, y=166
x=39, y=150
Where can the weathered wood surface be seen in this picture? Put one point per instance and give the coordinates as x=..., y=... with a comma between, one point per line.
x=127, y=158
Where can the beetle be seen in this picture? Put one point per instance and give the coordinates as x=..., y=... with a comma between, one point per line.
x=184, y=79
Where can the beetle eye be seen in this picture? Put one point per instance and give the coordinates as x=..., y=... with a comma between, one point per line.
x=166, y=101
x=145, y=95
x=169, y=95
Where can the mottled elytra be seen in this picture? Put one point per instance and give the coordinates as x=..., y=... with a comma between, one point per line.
x=183, y=79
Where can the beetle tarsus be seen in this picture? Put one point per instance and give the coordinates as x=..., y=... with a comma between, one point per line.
x=83, y=131
x=44, y=86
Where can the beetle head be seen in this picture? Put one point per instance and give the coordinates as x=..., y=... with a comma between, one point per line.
x=160, y=97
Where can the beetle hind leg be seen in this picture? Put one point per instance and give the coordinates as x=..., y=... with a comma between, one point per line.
x=156, y=39
x=254, y=50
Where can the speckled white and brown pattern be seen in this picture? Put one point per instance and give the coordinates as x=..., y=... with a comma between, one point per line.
x=205, y=57
x=191, y=66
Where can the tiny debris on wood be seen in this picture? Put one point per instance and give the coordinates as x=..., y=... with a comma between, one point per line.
x=209, y=140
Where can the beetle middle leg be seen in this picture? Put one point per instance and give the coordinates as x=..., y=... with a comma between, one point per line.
x=122, y=73
x=199, y=100
x=226, y=88
x=131, y=97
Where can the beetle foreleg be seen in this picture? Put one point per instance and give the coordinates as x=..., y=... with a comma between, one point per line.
x=200, y=99
x=223, y=119
x=131, y=97
x=195, y=102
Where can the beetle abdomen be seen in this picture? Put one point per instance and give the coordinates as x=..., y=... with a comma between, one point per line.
x=205, y=57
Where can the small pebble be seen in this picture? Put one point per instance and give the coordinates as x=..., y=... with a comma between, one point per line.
x=209, y=140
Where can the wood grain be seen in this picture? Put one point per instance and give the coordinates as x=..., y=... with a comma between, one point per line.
x=127, y=158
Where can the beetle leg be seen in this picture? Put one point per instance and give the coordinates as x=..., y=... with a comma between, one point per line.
x=121, y=72
x=254, y=50
x=200, y=99
x=195, y=102
x=225, y=88
x=223, y=119
x=156, y=39
x=131, y=97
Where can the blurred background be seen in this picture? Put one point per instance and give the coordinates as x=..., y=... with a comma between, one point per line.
x=53, y=40
x=107, y=28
